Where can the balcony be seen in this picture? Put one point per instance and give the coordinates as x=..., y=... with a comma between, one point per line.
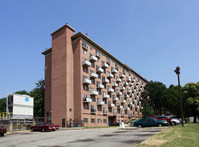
x=130, y=103
x=114, y=70
x=122, y=75
x=110, y=75
x=133, y=80
x=131, y=84
x=128, y=78
x=119, y=93
x=126, y=96
x=93, y=92
x=142, y=86
x=105, y=65
x=132, y=94
x=87, y=100
x=114, y=84
x=100, y=103
x=129, y=114
x=100, y=86
x=86, y=63
x=104, y=111
x=106, y=96
x=115, y=99
x=121, y=107
x=129, y=91
x=122, y=88
x=99, y=70
x=128, y=108
x=123, y=101
x=114, y=112
x=126, y=84
x=105, y=80
x=93, y=75
x=93, y=58
x=111, y=105
x=118, y=80
x=86, y=81
x=134, y=90
x=140, y=102
x=110, y=90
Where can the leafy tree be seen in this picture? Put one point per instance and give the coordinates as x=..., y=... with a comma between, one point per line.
x=172, y=101
x=155, y=91
x=3, y=105
x=38, y=95
x=147, y=109
x=22, y=92
x=191, y=97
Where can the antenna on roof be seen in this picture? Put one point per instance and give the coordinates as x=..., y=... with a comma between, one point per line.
x=86, y=34
x=46, y=48
x=66, y=23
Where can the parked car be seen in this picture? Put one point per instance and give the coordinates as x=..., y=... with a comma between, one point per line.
x=167, y=118
x=150, y=122
x=44, y=126
x=175, y=121
x=2, y=131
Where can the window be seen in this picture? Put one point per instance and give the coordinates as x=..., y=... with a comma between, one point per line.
x=85, y=87
x=102, y=55
x=105, y=121
x=91, y=48
x=84, y=51
x=97, y=53
x=99, y=108
x=85, y=69
x=104, y=85
x=99, y=120
x=92, y=81
x=84, y=44
x=85, y=105
x=93, y=98
x=92, y=64
x=85, y=120
x=99, y=91
x=92, y=120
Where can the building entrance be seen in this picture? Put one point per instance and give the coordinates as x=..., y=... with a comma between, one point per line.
x=111, y=120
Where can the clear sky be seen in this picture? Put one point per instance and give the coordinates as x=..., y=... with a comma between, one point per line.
x=151, y=36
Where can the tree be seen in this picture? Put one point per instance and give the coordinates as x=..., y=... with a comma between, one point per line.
x=147, y=109
x=172, y=101
x=38, y=95
x=22, y=92
x=3, y=105
x=191, y=97
x=155, y=91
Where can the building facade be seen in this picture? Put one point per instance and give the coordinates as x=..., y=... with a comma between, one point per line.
x=86, y=85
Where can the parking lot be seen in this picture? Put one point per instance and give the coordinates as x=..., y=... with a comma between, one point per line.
x=106, y=137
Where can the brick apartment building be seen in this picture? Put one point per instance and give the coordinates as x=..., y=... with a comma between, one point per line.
x=86, y=84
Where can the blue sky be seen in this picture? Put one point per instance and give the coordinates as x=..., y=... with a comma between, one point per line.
x=151, y=36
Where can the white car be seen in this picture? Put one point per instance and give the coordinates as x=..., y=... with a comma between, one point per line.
x=175, y=121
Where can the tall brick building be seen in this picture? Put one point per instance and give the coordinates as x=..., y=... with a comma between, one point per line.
x=86, y=84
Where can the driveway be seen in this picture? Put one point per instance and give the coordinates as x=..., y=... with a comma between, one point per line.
x=106, y=137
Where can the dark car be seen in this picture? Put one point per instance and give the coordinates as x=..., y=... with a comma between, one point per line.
x=44, y=126
x=2, y=131
x=150, y=122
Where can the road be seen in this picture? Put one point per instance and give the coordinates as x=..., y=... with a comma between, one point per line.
x=106, y=137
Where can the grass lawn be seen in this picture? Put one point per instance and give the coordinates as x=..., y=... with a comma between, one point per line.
x=178, y=136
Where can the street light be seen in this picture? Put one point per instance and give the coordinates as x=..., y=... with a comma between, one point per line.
x=177, y=71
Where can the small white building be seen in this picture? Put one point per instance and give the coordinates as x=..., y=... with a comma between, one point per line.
x=20, y=106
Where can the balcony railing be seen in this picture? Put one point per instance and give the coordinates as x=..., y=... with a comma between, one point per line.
x=122, y=75
x=93, y=75
x=131, y=84
x=105, y=80
x=115, y=99
x=93, y=111
x=87, y=100
x=105, y=65
x=110, y=75
x=110, y=90
x=118, y=80
x=106, y=96
x=128, y=78
x=123, y=101
x=114, y=84
x=119, y=93
x=93, y=92
x=93, y=58
x=121, y=107
x=86, y=81
x=126, y=96
x=122, y=88
x=126, y=84
x=100, y=103
x=100, y=86
x=86, y=63
x=99, y=70
x=114, y=70
x=111, y=105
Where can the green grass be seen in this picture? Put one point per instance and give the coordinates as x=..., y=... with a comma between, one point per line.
x=178, y=136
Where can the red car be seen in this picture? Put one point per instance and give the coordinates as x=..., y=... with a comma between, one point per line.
x=2, y=131
x=44, y=126
x=167, y=118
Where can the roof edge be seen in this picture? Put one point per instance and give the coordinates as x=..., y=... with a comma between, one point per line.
x=47, y=51
x=66, y=25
